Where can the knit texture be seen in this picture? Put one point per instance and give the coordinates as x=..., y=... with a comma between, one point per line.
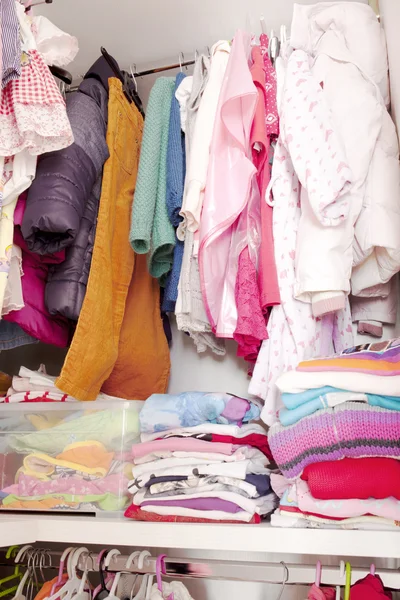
x=349, y=430
x=176, y=170
x=151, y=230
x=349, y=478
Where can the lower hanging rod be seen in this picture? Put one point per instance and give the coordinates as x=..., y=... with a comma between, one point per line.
x=256, y=572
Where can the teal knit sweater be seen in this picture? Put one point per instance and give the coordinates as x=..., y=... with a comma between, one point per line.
x=151, y=230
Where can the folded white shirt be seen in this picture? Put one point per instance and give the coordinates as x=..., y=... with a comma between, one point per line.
x=300, y=381
x=233, y=430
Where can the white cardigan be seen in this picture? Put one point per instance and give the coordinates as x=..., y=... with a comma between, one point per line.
x=348, y=48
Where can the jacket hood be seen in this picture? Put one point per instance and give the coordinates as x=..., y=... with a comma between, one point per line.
x=344, y=31
x=101, y=71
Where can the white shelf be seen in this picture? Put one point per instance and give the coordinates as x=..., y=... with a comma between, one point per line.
x=15, y=530
x=219, y=537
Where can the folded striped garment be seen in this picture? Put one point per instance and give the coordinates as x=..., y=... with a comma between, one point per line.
x=369, y=369
x=351, y=430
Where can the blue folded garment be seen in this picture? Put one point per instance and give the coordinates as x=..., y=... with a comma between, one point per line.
x=306, y=403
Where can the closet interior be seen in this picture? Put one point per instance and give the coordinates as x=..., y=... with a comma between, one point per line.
x=199, y=257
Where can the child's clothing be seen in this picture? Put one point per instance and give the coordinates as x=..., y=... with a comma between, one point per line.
x=32, y=110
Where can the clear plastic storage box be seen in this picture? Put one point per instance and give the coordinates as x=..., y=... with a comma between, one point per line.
x=67, y=456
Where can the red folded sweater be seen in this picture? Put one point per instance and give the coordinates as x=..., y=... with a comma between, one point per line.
x=359, y=478
x=137, y=514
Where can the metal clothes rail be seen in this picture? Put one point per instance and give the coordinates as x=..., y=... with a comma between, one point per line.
x=244, y=571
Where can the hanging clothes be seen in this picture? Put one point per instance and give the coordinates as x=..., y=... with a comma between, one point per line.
x=251, y=329
x=202, y=137
x=143, y=363
x=109, y=318
x=347, y=47
x=321, y=593
x=369, y=588
x=63, y=201
x=176, y=170
x=267, y=275
x=151, y=230
x=57, y=47
x=371, y=313
x=190, y=312
x=34, y=318
x=293, y=331
x=100, y=320
x=10, y=42
x=227, y=191
x=32, y=110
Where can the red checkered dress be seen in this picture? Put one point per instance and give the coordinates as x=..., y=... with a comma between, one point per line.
x=35, y=86
x=32, y=111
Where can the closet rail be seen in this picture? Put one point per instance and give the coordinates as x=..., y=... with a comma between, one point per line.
x=257, y=572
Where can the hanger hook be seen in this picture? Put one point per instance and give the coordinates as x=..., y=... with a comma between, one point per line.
x=133, y=70
x=284, y=580
x=181, y=61
x=196, y=55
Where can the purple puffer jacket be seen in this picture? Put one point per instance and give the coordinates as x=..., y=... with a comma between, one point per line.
x=63, y=201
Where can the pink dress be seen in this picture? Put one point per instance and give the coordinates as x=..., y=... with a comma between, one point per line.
x=268, y=278
x=251, y=329
x=229, y=181
x=32, y=110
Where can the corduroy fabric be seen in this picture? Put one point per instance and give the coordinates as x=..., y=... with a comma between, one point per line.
x=151, y=230
x=95, y=347
x=349, y=430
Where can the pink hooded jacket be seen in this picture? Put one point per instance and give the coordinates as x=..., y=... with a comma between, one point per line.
x=229, y=180
x=34, y=318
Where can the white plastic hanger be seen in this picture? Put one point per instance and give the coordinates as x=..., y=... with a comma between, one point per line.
x=263, y=25
x=84, y=594
x=147, y=580
x=110, y=556
x=71, y=587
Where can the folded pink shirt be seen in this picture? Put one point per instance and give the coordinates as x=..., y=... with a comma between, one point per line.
x=181, y=445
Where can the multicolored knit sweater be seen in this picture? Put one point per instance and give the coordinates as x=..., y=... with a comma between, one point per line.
x=350, y=430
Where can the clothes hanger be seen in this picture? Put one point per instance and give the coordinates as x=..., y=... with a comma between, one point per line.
x=133, y=70
x=71, y=586
x=62, y=74
x=348, y=582
x=284, y=580
x=372, y=569
x=341, y=572
x=273, y=47
x=143, y=591
x=263, y=25
x=101, y=592
x=318, y=574
x=110, y=556
x=181, y=61
x=63, y=558
x=161, y=570
x=16, y=575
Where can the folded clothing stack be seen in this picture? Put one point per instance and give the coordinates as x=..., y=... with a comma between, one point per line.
x=338, y=439
x=201, y=460
x=66, y=459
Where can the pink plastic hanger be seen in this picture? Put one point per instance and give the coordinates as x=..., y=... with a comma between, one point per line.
x=161, y=570
x=59, y=581
x=102, y=591
x=372, y=569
